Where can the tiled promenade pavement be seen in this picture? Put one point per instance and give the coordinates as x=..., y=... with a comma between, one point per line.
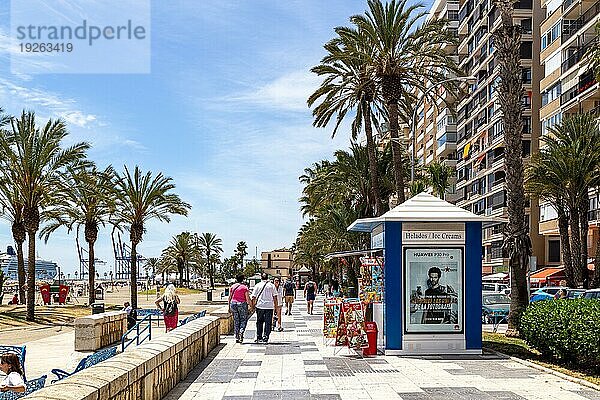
x=298, y=364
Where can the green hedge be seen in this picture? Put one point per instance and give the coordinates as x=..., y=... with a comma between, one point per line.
x=567, y=330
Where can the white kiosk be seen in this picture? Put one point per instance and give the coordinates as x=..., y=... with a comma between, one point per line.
x=432, y=293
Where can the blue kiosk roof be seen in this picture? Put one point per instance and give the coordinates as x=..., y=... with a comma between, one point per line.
x=422, y=208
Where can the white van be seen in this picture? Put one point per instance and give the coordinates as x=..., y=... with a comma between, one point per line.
x=493, y=287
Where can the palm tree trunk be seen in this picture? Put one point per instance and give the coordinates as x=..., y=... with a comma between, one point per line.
x=392, y=107
x=372, y=161
x=133, y=289
x=31, y=277
x=565, y=245
x=507, y=39
x=92, y=274
x=596, y=281
x=21, y=271
x=575, y=245
x=584, y=209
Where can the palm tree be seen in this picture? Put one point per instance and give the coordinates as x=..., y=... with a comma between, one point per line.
x=594, y=53
x=348, y=86
x=570, y=162
x=507, y=41
x=151, y=266
x=35, y=163
x=417, y=187
x=12, y=211
x=87, y=202
x=241, y=251
x=438, y=177
x=403, y=57
x=140, y=198
x=181, y=250
x=210, y=245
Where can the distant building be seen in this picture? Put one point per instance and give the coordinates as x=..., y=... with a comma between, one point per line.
x=278, y=262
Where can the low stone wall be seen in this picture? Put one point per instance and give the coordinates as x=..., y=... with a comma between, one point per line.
x=96, y=331
x=147, y=372
x=225, y=320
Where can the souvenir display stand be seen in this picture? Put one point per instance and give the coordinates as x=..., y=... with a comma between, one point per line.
x=428, y=300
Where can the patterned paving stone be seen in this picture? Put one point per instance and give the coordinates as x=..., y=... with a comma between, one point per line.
x=299, y=364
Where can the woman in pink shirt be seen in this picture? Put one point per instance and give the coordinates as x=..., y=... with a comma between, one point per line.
x=239, y=300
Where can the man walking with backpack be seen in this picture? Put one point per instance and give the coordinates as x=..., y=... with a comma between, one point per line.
x=264, y=297
x=309, y=292
x=289, y=291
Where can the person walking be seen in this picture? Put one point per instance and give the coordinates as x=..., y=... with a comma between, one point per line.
x=167, y=303
x=277, y=315
x=239, y=299
x=289, y=291
x=264, y=298
x=309, y=294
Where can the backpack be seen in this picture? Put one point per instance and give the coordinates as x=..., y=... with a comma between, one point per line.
x=170, y=307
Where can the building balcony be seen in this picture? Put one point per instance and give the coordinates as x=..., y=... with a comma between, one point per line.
x=577, y=55
x=571, y=27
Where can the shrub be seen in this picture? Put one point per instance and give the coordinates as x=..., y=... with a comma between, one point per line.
x=567, y=330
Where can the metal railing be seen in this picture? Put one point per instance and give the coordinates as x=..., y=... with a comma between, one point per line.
x=574, y=26
x=138, y=339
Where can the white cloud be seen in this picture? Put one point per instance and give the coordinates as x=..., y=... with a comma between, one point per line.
x=26, y=97
x=288, y=92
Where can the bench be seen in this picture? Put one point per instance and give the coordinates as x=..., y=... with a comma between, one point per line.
x=88, y=361
x=32, y=386
x=192, y=317
x=19, y=351
x=143, y=312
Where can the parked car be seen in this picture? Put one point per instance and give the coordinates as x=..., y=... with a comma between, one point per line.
x=592, y=294
x=493, y=287
x=494, y=307
x=575, y=293
x=550, y=293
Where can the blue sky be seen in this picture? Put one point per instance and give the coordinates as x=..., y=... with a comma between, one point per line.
x=223, y=112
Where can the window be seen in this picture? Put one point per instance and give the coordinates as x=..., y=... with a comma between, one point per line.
x=547, y=213
x=551, y=35
x=550, y=122
x=526, y=25
x=452, y=15
x=526, y=125
x=526, y=75
x=554, y=251
x=526, y=50
x=526, y=148
x=526, y=100
x=551, y=94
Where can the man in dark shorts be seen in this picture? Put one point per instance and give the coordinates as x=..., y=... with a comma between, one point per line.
x=309, y=292
x=289, y=291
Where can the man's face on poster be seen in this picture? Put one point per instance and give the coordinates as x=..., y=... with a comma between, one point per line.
x=434, y=277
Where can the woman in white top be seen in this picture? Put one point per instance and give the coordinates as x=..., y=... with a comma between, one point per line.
x=11, y=366
x=277, y=315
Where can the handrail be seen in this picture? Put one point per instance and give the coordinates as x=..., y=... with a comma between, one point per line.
x=148, y=319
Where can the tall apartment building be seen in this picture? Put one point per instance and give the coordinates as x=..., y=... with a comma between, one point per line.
x=436, y=122
x=278, y=262
x=567, y=87
x=480, y=140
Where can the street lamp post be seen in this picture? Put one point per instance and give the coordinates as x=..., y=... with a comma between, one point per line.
x=413, y=127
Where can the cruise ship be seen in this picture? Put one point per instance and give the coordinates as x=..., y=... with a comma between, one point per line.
x=44, y=270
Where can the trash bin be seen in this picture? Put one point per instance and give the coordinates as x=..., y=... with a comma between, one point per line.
x=209, y=295
x=97, y=308
x=371, y=329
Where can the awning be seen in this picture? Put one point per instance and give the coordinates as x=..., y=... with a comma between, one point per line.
x=479, y=159
x=500, y=276
x=466, y=150
x=546, y=273
x=340, y=254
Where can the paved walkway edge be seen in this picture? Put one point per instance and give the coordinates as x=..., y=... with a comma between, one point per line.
x=531, y=364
